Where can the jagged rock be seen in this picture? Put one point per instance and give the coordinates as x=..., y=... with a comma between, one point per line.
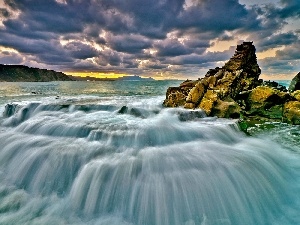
x=227, y=109
x=295, y=83
x=235, y=91
x=208, y=101
x=188, y=83
x=275, y=85
x=263, y=98
x=176, y=96
x=10, y=109
x=190, y=115
x=196, y=93
x=291, y=112
x=238, y=75
x=296, y=95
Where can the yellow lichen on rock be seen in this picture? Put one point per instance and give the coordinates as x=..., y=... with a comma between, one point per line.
x=196, y=93
x=291, y=112
x=296, y=95
x=208, y=101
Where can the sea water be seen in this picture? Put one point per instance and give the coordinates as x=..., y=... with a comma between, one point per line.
x=108, y=153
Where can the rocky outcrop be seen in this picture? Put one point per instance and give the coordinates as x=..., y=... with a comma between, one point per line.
x=19, y=73
x=221, y=86
x=235, y=91
x=295, y=83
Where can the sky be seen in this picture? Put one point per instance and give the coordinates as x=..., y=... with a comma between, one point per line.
x=164, y=39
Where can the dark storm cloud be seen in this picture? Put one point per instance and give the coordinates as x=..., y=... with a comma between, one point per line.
x=202, y=59
x=138, y=36
x=78, y=50
x=291, y=8
x=171, y=47
x=129, y=44
x=290, y=52
x=217, y=16
x=150, y=18
x=278, y=40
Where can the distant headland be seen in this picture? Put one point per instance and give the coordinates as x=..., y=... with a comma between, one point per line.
x=123, y=78
x=20, y=73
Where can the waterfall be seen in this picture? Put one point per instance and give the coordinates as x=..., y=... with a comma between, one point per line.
x=135, y=164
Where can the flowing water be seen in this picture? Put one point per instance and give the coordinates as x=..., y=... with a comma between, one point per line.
x=109, y=153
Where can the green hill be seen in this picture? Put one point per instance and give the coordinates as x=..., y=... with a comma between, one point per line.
x=20, y=73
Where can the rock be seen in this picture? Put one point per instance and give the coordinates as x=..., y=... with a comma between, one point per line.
x=196, y=93
x=275, y=85
x=188, y=115
x=296, y=95
x=208, y=102
x=295, y=83
x=291, y=112
x=10, y=109
x=175, y=97
x=238, y=75
x=266, y=101
x=235, y=91
x=188, y=83
x=189, y=106
x=262, y=97
x=227, y=109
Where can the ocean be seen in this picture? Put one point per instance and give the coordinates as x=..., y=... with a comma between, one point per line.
x=108, y=153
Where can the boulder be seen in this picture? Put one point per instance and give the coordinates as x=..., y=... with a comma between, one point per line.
x=295, y=83
x=296, y=95
x=175, y=97
x=267, y=102
x=208, y=102
x=291, y=112
x=227, y=109
x=196, y=93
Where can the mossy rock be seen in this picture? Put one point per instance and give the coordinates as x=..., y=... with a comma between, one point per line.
x=296, y=95
x=291, y=112
x=196, y=93
x=263, y=98
x=208, y=101
x=227, y=109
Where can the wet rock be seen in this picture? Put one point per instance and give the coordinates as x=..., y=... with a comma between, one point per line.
x=208, y=102
x=196, y=93
x=262, y=98
x=10, y=109
x=227, y=109
x=291, y=112
x=188, y=115
x=296, y=95
x=176, y=96
x=235, y=91
x=275, y=85
x=123, y=110
x=238, y=75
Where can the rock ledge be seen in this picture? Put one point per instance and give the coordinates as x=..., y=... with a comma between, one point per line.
x=235, y=91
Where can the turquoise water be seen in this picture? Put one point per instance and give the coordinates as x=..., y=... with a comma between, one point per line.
x=109, y=153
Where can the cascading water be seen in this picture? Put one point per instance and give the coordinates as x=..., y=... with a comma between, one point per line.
x=118, y=161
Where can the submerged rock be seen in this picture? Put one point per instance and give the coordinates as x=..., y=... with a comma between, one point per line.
x=235, y=91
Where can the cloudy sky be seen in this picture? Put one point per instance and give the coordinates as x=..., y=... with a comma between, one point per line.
x=158, y=38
